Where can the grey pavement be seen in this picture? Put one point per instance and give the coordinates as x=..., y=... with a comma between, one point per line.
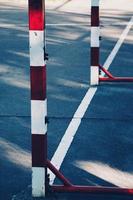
x=104, y=140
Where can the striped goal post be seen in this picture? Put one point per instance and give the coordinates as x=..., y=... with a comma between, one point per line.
x=95, y=66
x=95, y=43
x=38, y=96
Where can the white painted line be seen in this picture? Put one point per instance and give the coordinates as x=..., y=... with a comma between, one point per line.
x=68, y=137
x=117, y=46
x=70, y=132
x=72, y=24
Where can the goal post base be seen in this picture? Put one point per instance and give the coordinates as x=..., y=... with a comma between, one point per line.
x=67, y=186
x=110, y=78
x=92, y=189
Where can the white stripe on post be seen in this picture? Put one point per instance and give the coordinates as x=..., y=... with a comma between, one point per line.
x=38, y=114
x=95, y=33
x=37, y=48
x=38, y=184
x=94, y=74
x=95, y=3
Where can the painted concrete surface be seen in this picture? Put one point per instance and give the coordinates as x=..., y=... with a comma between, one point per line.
x=103, y=142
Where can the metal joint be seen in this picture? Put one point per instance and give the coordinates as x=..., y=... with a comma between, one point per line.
x=46, y=56
x=46, y=120
x=100, y=38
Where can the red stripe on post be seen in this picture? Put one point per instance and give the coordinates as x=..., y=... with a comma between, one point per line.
x=94, y=56
x=94, y=16
x=38, y=83
x=39, y=150
x=36, y=15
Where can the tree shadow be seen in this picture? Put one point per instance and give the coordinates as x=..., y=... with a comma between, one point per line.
x=68, y=81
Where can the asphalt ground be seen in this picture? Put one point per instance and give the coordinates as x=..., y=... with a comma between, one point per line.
x=103, y=142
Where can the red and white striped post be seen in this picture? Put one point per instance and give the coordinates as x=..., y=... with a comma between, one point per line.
x=95, y=44
x=38, y=96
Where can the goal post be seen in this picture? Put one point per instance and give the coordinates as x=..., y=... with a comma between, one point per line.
x=38, y=96
x=94, y=43
x=95, y=67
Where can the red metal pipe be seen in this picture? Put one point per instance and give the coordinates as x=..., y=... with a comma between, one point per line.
x=116, y=79
x=58, y=174
x=92, y=189
x=106, y=72
x=111, y=78
x=68, y=187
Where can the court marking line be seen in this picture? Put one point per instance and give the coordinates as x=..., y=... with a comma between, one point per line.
x=85, y=24
x=70, y=132
x=71, y=24
x=117, y=46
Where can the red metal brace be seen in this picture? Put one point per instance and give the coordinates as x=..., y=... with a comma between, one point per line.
x=69, y=187
x=111, y=78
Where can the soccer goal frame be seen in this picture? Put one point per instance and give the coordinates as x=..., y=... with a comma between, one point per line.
x=40, y=163
x=96, y=68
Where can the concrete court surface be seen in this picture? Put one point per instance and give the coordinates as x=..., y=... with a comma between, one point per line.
x=103, y=142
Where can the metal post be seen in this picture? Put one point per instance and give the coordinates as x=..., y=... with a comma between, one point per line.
x=95, y=34
x=38, y=96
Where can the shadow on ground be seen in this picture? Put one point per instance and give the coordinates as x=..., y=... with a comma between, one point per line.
x=68, y=81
